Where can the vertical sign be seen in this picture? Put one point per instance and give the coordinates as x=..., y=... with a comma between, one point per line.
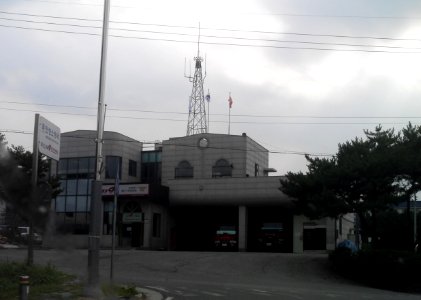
x=48, y=138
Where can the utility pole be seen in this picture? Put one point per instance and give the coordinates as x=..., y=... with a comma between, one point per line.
x=96, y=196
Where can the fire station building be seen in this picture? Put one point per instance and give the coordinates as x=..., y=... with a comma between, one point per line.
x=183, y=195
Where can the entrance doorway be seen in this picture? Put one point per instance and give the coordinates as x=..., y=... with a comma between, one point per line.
x=314, y=238
x=132, y=225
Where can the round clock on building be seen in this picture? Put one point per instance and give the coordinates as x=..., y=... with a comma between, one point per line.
x=203, y=143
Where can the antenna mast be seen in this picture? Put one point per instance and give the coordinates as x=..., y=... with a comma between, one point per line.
x=197, y=110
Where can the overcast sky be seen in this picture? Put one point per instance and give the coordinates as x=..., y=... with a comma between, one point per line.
x=304, y=75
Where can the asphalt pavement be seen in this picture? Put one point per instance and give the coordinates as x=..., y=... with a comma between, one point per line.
x=216, y=275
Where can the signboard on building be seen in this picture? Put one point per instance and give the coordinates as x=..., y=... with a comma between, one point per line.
x=126, y=189
x=132, y=217
x=48, y=138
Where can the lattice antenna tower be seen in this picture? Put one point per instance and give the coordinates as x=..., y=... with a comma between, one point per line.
x=197, y=109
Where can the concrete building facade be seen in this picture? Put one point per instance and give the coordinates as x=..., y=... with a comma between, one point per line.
x=141, y=209
x=198, y=192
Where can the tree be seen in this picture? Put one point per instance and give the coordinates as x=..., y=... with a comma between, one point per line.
x=362, y=178
x=30, y=203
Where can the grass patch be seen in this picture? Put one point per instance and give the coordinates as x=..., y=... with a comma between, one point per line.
x=42, y=279
x=119, y=290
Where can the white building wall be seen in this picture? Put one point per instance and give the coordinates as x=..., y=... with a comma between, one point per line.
x=81, y=143
x=256, y=154
x=240, y=151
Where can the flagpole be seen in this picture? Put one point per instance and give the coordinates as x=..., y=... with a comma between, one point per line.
x=229, y=120
x=229, y=113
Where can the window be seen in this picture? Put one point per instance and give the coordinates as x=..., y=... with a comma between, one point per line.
x=156, y=225
x=73, y=204
x=184, y=170
x=132, y=168
x=222, y=168
x=151, y=156
x=112, y=164
x=150, y=171
x=256, y=170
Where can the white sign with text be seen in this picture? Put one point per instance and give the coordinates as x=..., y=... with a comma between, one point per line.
x=48, y=138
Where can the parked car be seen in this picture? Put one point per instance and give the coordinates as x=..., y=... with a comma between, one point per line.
x=23, y=232
x=271, y=236
x=226, y=237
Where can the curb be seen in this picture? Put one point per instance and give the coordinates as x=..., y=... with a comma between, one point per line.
x=148, y=294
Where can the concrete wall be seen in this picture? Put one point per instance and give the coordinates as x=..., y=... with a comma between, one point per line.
x=302, y=222
x=249, y=191
x=240, y=151
x=256, y=154
x=81, y=143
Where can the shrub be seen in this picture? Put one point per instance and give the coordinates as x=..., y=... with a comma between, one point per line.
x=389, y=269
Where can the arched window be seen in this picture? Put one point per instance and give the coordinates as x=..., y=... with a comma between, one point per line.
x=222, y=168
x=184, y=170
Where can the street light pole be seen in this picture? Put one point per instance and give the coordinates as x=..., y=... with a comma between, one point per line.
x=96, y=194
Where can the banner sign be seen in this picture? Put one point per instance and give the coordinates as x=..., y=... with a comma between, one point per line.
x=48, y=138
x=132, y=217
x=126, y=189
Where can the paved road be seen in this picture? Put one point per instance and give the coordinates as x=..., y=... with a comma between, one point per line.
x=217, y=275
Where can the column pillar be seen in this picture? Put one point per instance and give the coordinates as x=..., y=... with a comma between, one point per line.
x=242, y=228
x=147, y=227
x=297, y=234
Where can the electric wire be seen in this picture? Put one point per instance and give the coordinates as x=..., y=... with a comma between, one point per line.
x=133, y=109
x=214, y=121
x=295, y=15
x=286, y=152
x=214, y=43
x=216, y=29
x=211, y=36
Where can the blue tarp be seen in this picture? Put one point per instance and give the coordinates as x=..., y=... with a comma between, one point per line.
x=348, y=245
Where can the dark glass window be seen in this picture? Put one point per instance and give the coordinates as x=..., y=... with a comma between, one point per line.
x=72, y=166
x=150, y=170
x=184, y=170
x=70, y=203
x=83, y=165
x=112, y=164
x=222, y=168
x=132, y=168
x=62, y=166
x=156, y=225
x=73, y=204
x=71, y=186
x=81, y=203
x=60, y=203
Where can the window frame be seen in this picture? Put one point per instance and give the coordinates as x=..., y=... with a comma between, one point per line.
x=219, y=168
x=183, y=170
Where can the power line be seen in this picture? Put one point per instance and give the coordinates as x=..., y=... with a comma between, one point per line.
x=133, y=109
x=216, y=43
x=212, y=36
x=218, y=29
x=214, y=121
x=295, y=15
x=76, y=3
x=286, y=152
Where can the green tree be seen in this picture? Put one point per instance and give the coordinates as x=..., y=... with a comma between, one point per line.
x=361, y=178
x=30, y=203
